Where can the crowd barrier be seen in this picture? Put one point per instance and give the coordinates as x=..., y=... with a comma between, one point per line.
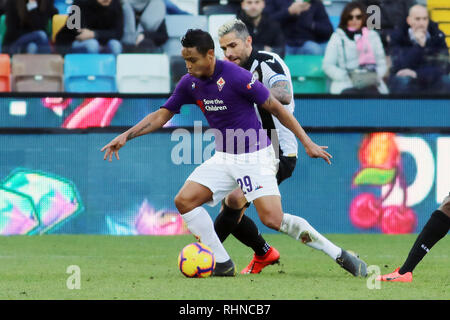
x=390, y=166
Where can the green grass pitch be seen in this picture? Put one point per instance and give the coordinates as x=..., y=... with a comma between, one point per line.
x=145, y=267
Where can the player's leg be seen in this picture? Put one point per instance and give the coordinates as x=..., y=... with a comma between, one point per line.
x=231, y=219
x=434, y=230
x=271, y=214
x=246, y=230
x=230, y=214
x=209, y=183
x=189, y=201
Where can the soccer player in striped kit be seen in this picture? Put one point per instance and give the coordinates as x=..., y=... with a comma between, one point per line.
x=271, y=70
x=244, y=157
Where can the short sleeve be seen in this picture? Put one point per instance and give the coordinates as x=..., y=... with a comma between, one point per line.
x=179, y=97
x=272, y=72
x=251, y=88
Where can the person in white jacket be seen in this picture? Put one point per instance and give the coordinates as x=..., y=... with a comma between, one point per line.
x=351, y=46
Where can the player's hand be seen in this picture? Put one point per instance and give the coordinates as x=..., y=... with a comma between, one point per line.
x=315, y=151
x=113, y=147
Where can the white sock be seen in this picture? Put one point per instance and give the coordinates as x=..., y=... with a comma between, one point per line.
x=201, y=225
x=299, y=229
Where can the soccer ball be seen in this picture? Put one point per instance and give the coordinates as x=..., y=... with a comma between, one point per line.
x=196, y=260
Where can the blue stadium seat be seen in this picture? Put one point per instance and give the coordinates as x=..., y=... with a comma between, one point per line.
x=335, y=21
x=62, y=5
x=177, y=26
x=90, y=73
x=335, y=7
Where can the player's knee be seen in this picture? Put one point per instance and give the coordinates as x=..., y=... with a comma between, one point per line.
x=183, y=204
x=272, y=222
x=235, y=202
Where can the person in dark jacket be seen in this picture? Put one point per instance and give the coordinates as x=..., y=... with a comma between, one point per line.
x=100, y=32
x=305, y=23
x=145, y=28
x=3, y=6
x=420, y=59
x=266, y=33
x=26, y=24
x=392, y=15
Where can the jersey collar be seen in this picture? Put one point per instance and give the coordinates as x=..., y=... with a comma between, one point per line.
x=250, y=60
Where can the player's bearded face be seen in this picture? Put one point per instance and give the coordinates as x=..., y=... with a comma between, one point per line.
x=235, y=49
x=198, y=65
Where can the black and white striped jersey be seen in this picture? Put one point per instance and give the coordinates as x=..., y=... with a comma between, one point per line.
x=269, y=68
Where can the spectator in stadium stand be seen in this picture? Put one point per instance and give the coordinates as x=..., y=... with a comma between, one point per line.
x=354, y=47
x=266, y=33
x=172, y=8
x=305, y=23
x=392, y=15
x=144, y=25
x=100, y=32
x=26, y=24
x=420, y=59
x=3, y=6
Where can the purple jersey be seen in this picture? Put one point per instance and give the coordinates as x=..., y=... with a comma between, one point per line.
x=227, y=101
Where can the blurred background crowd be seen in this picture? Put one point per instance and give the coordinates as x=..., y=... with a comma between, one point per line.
x=331, y=46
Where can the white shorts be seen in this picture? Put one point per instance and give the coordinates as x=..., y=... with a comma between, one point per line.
x=255, y=173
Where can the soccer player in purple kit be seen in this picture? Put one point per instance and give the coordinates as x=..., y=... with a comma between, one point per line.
x=244, y=156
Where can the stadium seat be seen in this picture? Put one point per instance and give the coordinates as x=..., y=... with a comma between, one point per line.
x=445, y=28
x=438, y=4
x=58, y=22
x=5, y=73
x=219, y=9
x=335, y=21
x=215, y=21
x=62, y=5
x=306, y=73
x=335, y=7
x=440, y=15
x=37, y=73
x=90, y=73
x=190, y=6
x=177, y=26
x=177, y=70
x=143, y=73
x=2, y=28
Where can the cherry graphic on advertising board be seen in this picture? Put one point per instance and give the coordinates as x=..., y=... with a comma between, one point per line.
x=380, y=165
x=365, y=211
x=398, y=219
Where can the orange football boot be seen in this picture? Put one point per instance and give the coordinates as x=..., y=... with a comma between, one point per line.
x=396, y=277
x=258, y=263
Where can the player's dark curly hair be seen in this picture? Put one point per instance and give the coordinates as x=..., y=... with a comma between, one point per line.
x=197, y=38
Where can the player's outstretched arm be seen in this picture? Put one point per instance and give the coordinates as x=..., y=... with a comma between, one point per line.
x=281, y=90
x=288, y=120
x=150, y=123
